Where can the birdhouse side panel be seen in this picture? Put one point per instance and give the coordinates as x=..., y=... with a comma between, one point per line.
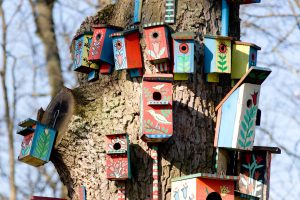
x=157, y=45
x=252, y=57
x=108, y=54
x=157, y=118
x=43, y=142
x=209, y=55
x=120, y=56
x=26, y=145
x=117, y=167
x=133, y=49
x=240, y=60
x=116, y=144
x=97, y=44
x=79, y=43
x=209, y=187
x=244, y=127
x=86, y=50
x=228, y=118
x=223, y=56
x=185, y=189
x=253, y=174
x=184, y=56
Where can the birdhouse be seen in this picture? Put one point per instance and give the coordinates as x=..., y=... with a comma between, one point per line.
x=127, y=51
x=82, y=193
x=203, y=186
x=82, y=48
x=237, y=111
x=156, y=108
x=241, y=196
x=37, y=143
x=244, y=55
x=183, y=50
x=117, y=157
x=157, y=42
x=243, y=1
x=44, y=198
x=254, y=168
x=137, y=11
x=170, y=14
x=217, y=56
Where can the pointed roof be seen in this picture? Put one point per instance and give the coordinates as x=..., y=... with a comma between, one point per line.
x=255, y=75
x=207, y=176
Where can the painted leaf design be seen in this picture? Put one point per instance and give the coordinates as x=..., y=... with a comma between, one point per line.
x=222, y=62
x=242, y=134
x=43, y=144
x=222, y=57
x=244, y=126
x=248, y=144
x=250, y=133
x=161, y=52
x=152, y=54
x=241, y=143
x=244, y=181
x=245, y=166
x=259, y=166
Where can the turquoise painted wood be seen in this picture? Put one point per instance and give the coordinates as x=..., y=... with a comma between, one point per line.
x=225, y=18
x=93, y=76
x=37, y=142
x=134, y=73
x=183, y=51
x=137, y=11
x=170, y=13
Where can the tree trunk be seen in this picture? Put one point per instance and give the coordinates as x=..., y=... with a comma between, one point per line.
x=42, y=13
x=113, y=103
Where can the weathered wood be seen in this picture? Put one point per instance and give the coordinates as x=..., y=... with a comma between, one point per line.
x=113, y=103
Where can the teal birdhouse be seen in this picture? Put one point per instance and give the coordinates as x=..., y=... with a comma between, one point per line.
x=237, y=112
x=217, y=56
x=37, y=142
x=183, y=50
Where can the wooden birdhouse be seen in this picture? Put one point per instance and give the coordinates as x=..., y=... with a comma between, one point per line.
x=237, y=111
x=81, y=52
x=156, y=108
x=243, y=1
x=82, y=193
x=157, y=42
x=203, y=186
x=127, y=51
x=44, y=198
x=117, y=157
x=254, y=171
x=37, y=143
x=241, y=196
x=217, y=56
x=244, y=55
x=183, y=50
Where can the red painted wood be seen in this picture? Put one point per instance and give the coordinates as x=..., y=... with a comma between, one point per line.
x=117, y=167
x=97, y=43
x=105, y=68
x=133, y=51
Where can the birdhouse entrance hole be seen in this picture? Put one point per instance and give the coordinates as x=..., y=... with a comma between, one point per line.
x=214, y=196
x=156, y=96
x=184, y=48
x=249, y=103
x=117, y=146
x=155, y=35
x=98, y=36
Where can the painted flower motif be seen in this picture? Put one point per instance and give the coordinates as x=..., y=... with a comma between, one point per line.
x=79, y=45
x=248, y=158
x=253, y=57
x=224, y=190
x=254, y=97
x=259, y=159
x=222, y=48
x=119, y=45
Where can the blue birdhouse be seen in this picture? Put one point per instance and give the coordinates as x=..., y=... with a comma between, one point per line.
x=37, y=143
x=237, y=112
x=217, y=56
x=183, y=50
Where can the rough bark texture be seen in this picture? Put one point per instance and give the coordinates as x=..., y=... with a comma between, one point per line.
x=42, y=12
x=113, y=103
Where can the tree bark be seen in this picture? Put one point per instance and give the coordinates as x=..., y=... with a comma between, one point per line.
x=42, y=13
x=113, y=103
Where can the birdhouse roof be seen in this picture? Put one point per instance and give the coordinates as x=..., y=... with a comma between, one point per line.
x=247, y=44
x=81, y=34
x=207, y=176
x=27, y=122
x=183, y=35
x=116, y=133
x=244, y=196
x=154, y=24
x=158, y=77
x=107, y=26
x=255, y=75
x=274, y=150
x=218, y=37
x=123, y=33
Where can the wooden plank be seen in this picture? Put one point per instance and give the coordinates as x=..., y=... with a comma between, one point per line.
x=137, y=11
x=274, y=150
x=206, y=175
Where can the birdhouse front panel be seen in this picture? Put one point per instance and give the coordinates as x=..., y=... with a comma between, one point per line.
x=203, y=186
x=217, y=54
x=183, y=56
x=255, y=170
x=82, y=48
x=156, y=110
x=244, y=1
x=236, y=127
x=36, y=145
x=157, y=43
x=97, y=44
x=244, y=55
x=120, y=53
x=118, y=157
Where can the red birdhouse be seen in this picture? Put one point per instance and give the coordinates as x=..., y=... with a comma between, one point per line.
x=118, y=157
x=157, y=42
x=156, y=108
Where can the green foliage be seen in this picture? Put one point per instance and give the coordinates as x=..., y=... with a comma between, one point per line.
x=222, y=62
